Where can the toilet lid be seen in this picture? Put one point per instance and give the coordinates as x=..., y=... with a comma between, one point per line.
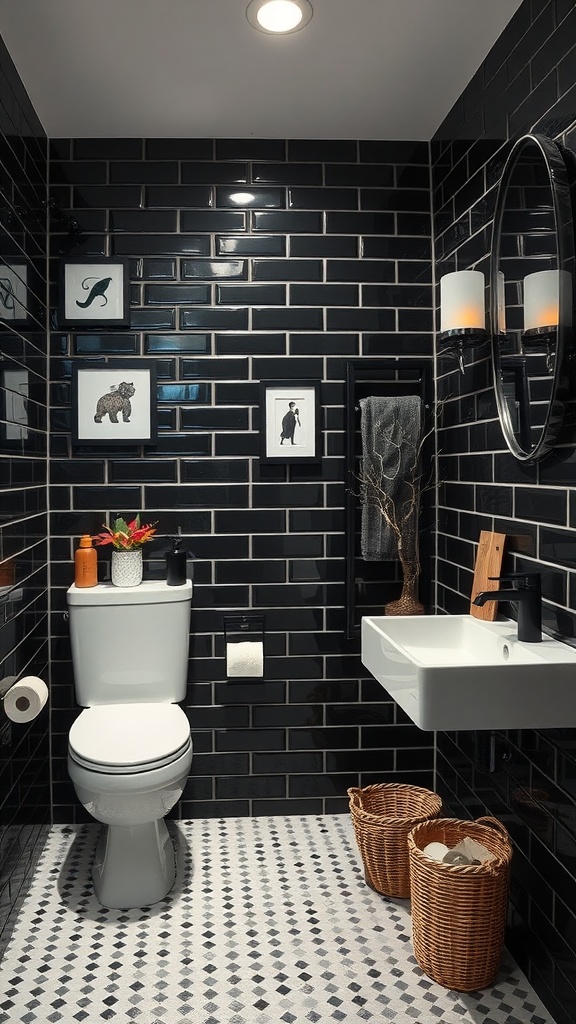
x=129, y=737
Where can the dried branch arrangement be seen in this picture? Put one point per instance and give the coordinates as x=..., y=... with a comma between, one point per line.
x=392, y=485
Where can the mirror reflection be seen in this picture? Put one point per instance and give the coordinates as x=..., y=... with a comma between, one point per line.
x=532, y=273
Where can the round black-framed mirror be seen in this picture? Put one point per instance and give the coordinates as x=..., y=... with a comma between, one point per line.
x=532, y=281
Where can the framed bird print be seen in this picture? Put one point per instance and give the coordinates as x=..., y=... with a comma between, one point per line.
x=94, y=292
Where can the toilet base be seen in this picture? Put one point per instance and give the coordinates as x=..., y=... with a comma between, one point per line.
x=134, y=865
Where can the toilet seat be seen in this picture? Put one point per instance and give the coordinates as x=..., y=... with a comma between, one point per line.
x=129, y=738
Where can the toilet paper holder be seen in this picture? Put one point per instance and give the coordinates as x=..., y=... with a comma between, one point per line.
x=242, y=628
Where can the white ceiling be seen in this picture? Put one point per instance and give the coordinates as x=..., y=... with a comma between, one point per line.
x=362, y=69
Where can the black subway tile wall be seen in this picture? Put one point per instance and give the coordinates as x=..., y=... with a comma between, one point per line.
x=24, y=766
x=248, y=261
x=526, y=83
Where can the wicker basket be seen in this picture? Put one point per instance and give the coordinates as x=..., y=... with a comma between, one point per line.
x=383, y=815
x=459, y=912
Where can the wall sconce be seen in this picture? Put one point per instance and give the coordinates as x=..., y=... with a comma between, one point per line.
x=462, y=311
x=542, y=313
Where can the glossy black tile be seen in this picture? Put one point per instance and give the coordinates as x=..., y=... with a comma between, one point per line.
x=289, y=222
x=213, y=220
x=225, y=470
x=251, y=344
x=214, y=319
x=216, y=270
x=107, y=149
x=176, y=294
x=106, y=197
x=329, y=150
x=345, y=246
x=160, y=245
x=148, y=221
x=178, y=197
x=361, y=270
x=251, y=294
x=287, y=270
x=72, y=172
x=288, y=369
x=249, y=245
x=236, y=393
x=323, y=295
x=214, y=419
x=230, y=369
x=237, y=444
x=287, y=174
x=117, y=344
x=178, y=343
x=288, y=319
x=251, y=198
x=541, y=504
x=214, y=173
x=149, y=319
x=250, y=149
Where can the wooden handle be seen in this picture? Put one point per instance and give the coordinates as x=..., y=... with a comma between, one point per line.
x=488, y=564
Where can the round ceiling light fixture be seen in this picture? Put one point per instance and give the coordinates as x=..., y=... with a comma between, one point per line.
x=279, y=16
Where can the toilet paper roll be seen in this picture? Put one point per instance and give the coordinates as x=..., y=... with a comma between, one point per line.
x=245, y=659
x=24, y=701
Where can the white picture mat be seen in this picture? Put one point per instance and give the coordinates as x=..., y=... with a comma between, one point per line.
x=13, y=291
x=277, y=405
x=93, y=384
x=79, y=279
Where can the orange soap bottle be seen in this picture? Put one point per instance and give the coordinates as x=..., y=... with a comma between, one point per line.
x=85, y=563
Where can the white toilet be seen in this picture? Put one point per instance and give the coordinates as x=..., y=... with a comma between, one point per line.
x=130, y=750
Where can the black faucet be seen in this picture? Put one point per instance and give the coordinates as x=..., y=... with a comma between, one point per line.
x=527, y=594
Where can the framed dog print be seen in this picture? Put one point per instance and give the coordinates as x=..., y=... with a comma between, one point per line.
x=114, y=404
x=290, y=421
x=94, y=292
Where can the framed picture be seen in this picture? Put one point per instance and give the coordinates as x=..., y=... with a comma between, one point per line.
x=114, y=404
x=290, y=421
x=94, y=292
x=14, y=292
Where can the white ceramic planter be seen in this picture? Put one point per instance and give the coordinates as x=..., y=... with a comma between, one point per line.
x=127, y=568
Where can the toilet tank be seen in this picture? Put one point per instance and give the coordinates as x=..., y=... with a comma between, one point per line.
x=130, y=644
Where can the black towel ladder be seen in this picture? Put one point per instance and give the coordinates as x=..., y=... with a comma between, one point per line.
x=368, y=585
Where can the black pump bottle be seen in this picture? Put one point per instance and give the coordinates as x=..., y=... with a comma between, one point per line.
x=176, y=564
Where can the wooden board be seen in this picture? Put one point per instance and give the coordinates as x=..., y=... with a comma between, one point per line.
x=488, y=563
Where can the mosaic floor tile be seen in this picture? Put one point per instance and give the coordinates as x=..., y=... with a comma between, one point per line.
x=270, y=921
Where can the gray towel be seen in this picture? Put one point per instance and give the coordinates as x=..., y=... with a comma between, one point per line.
x=391, y=430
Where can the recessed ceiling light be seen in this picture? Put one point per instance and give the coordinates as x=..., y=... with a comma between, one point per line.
x=279, y=16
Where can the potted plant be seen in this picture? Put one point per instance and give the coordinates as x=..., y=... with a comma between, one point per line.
x=127, y=540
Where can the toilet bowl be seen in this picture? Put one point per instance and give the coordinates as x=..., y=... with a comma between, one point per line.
x=129, y=750
x=129, y=764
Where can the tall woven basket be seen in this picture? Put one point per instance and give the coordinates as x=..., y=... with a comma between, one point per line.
x=459, y=912
x=383, y=815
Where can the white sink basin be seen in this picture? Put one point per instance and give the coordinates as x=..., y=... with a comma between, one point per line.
x=458, y=672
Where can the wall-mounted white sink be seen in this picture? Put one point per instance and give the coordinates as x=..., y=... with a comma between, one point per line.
x=458, y=672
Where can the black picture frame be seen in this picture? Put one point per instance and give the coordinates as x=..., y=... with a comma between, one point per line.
x=104, y=412
x=94, y=292
x=290, y=421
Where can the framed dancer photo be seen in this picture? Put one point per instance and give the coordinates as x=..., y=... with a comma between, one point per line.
x=114, y=404
x=94, y=292
x=290, y=421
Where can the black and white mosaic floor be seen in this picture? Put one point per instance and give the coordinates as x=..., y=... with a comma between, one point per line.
x=270, y=921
